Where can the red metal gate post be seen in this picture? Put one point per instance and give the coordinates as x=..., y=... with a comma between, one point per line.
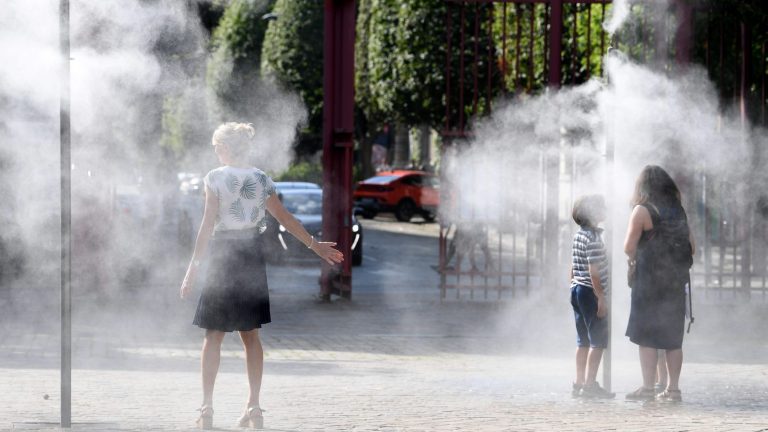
x=684, y=34
x=745, y=84
x=338, y=133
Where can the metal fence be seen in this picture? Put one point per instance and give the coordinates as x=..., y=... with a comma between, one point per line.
x=505, y=49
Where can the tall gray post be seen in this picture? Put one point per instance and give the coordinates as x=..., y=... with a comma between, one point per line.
x=66, y=222
x=611, y=224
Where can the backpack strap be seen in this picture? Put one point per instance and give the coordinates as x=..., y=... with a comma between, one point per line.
x=690, y=304
x=654, y=212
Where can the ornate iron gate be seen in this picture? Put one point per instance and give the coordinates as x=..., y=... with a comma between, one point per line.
x=493, y=47
x=515, y=35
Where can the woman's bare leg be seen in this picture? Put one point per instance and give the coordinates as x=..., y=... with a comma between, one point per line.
x=648, y=359
x=211, y=358
x=661, y=369
x=674, y=366
x=254, y=363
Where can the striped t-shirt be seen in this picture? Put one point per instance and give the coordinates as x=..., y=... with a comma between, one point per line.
x=588, y=248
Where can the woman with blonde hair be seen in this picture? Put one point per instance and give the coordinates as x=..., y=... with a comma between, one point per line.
x=234, y=295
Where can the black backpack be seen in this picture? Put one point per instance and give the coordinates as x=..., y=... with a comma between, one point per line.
x=670, y=243
x=671, y=248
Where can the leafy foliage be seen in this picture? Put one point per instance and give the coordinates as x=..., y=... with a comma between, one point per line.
x=236, y=44
x=402, y=61
x=293, y=55
x=363, y=97
x=419, y=63
x=172, y=138
x=382, y=26
x=303, y=171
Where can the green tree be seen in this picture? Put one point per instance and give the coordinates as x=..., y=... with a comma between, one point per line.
x=236, y=43
x=406, y=59
x=293, y=55
x=366, y=121
x=419, y=63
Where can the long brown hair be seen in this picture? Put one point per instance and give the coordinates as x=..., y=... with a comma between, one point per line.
x=654, y=185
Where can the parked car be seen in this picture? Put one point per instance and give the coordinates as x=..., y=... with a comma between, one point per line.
x=305, y=202
x=403, y=192
x=295, y=185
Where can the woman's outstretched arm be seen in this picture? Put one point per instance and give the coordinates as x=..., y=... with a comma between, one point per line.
x=324, y=250
x=203, y=237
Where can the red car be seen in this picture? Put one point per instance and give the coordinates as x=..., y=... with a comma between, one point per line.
x=403, y=192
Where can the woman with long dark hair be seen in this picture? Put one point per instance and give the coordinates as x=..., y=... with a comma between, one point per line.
x=235, y=296
x=660, y=246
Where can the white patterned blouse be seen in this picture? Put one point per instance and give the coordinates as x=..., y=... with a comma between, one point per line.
x=242, y=194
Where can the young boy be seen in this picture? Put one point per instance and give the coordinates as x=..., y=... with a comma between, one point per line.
x=589, y=279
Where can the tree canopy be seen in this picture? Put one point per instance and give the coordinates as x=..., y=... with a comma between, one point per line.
x=236, y=44
x=293, y=55
x=401, y=70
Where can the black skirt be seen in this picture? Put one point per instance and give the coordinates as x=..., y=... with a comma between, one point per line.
x=235, y=296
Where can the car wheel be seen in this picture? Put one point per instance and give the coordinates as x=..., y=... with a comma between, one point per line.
x=405, y=210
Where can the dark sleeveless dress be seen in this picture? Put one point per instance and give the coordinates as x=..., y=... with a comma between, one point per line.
x=657, y=314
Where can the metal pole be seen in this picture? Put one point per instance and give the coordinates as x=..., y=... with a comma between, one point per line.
x=461, y=71
x=609, y=162
x=684, y=36
x=531, y=34
x=555, y=42
x=490, y=62
x=448, y=53
x=552, y=157
x=504, y=49
x=338, y=139
x=517, y=47
x=475, y=61
x=66, y=221
x=744, y=94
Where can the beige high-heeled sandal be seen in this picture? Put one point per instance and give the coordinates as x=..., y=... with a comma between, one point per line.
x=205, y=421
x=252, y=418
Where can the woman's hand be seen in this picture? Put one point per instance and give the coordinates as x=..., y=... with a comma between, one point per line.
x=326, y=251
x=189, y=280
x=602, y=308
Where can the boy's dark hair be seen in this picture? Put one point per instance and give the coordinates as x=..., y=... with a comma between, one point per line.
x=584, y=209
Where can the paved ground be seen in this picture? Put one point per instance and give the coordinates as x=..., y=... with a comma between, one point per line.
x=395, y=358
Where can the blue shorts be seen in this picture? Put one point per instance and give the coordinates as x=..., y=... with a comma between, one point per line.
x=591, y=331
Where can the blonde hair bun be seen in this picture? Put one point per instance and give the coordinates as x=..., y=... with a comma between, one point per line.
x=237, y=136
